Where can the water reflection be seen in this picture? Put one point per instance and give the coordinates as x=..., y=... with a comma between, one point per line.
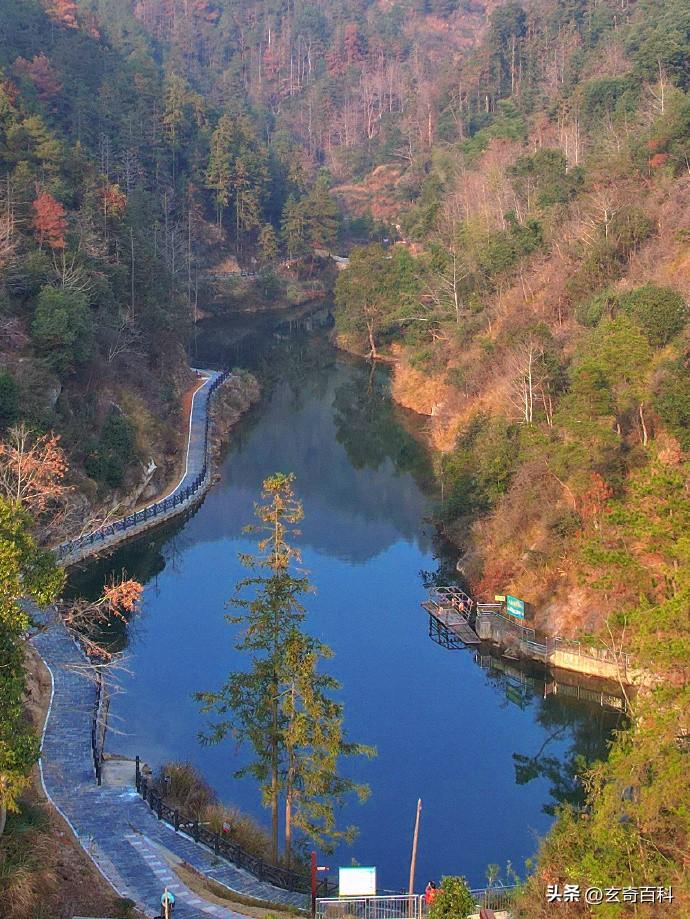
x=488, y=756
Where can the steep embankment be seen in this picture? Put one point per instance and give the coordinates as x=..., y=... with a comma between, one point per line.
x=535, y=308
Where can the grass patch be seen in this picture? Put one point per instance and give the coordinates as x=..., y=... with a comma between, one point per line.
x=216, y=893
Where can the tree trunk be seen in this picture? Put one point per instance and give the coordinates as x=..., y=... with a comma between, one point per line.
x=274, y=782
x=3, y=818
x=373, y=353
x=288, y=817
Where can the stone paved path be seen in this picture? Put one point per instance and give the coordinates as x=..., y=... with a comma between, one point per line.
x=70, y=553
x=114, y=826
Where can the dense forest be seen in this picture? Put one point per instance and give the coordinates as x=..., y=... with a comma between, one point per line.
x=510, y=182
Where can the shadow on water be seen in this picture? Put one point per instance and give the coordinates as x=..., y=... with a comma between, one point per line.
x=490, y=749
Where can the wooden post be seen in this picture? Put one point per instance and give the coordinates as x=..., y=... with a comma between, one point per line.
x=313, y=884
x=415, y=840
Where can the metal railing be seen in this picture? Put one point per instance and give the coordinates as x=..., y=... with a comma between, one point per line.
x=403, y=906
x=220, y=845
x=158, y=508
x=544, y=648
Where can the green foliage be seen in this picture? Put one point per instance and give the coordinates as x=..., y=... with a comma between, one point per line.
x=672, y=401
x=453, y=900
x=25, y=572
x=660, y=311
x=610, y=96
x=376, y=295
x=478, y=472
x=115, y=451
x=605, y=259
x=546, y=172
x=9, y=401
x=507, y=124
x=62, y=329
x=660, y=38
x=602, y=306
x=282, y=706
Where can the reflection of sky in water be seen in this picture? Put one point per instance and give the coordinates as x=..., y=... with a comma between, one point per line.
x=443, y=731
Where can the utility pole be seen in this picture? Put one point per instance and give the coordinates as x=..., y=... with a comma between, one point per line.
x=415, y=840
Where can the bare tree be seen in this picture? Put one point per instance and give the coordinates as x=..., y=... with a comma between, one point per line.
x=527, y=379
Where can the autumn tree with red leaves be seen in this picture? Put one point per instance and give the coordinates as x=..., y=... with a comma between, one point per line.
x=593, y=501
x=63, y=12
x=41, y=73
x=49, y=221
x=32, y=470
x=120, y=598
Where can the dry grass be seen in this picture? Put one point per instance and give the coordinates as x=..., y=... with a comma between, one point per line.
x=188, y=791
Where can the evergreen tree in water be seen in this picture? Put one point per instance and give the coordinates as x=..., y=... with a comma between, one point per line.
x=281, y=706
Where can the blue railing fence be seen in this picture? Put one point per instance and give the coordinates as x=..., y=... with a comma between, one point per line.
x=158, y=508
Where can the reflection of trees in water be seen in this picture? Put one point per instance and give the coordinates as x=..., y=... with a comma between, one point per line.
x=143, y=559
x=302, y=362
x=586, y=728
x=371, y=431
x=589, y=730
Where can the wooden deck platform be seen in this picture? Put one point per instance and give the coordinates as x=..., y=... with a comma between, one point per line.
x=449, y=617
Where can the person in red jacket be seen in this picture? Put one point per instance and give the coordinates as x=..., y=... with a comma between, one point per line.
x=430, y=893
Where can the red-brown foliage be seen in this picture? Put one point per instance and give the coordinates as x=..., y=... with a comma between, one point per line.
x=658, y=160
x=49, y=221
x=32, y=469
x=122, y=596
x=62, y=11
x=114, y=199
x=40, y=71
x=593, y=501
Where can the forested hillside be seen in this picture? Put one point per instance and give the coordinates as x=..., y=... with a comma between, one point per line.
x=511, y=182
x=92, y=294
x=536, y=309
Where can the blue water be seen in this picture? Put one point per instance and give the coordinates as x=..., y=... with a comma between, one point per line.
x=444, y=728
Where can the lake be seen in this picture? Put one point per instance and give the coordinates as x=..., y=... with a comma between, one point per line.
x=480, y=745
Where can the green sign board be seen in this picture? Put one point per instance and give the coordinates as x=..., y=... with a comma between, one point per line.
x=515, y=607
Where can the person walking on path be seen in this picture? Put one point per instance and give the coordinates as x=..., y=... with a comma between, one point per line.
x=167, y=903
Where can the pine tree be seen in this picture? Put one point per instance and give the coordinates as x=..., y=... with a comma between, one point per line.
x=219, y=171
x=271, y=615
x=293, y=227
x=281, y=706
x=321, y=217
x=268, y=245
x=314, y=741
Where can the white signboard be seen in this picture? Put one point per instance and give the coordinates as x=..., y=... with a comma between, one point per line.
x=357, y=882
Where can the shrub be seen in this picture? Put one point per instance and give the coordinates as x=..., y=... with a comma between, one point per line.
x=9, y=401
x=672, y=402
x=186, y=790
x=591, y=312
x=660, y=311
x=62, y=329
x=453, y=900
x=109, y=458
x=566, y=524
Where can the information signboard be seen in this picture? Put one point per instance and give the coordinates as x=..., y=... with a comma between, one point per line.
x=357, y=882
x=515, y=607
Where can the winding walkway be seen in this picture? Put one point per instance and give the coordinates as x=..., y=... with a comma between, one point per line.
x=190, y=488
x=114, y=826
